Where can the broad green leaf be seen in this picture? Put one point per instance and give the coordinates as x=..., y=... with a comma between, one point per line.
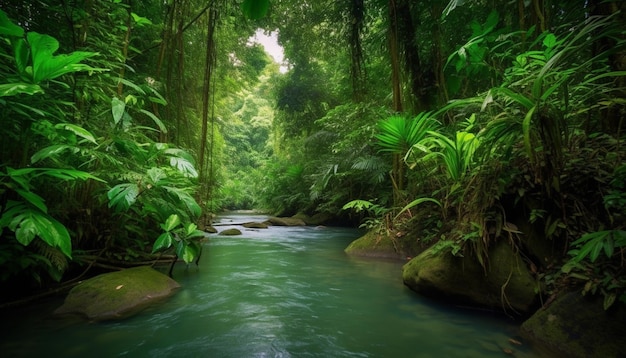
x=33, y=199
x=157, y=100
x=122, y=196
x=26, y=231
x=132, y=85
x=190, y=228
x=8, y=28
x=140, y=20
x=77, y=130
x=186, y=251
x=162, y=242
x=598, y=245
x=50, y=151
x=12, y=89
x=156, y=175
x=255, y=9
x=117, y=109
x=59, y=237
x=46, y=65
x=172, y=222
x=31, y=223
x=549, y=41
x=155, y=119
x=185, y=198
x=21, y=54
x=184, y=166
x=66, y=174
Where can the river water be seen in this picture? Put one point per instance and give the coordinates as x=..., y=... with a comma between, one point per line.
x=277, y=292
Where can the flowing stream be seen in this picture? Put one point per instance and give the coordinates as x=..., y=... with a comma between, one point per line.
x=277, y=292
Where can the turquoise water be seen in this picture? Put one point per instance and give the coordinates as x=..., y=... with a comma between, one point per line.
x=277, y=292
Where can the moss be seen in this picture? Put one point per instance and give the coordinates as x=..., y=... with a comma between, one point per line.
x=506, y=284
x=578, y=326
x=118, y=294
x=374, y=244
x=230, y=232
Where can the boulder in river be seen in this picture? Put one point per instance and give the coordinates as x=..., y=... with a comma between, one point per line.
x=118, y=295
x=375, y=245
x=255, y=225
x=506, y=284
x=284, y=221
x=230, y=232
x=578, y=326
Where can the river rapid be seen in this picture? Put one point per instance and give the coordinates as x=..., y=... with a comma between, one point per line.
x=277, y=292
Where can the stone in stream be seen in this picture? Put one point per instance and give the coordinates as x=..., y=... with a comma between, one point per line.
x=118, y=295
x=574, y=325
x=286, y=221
x=255, y=225
x=506, y=284
x=230, y=232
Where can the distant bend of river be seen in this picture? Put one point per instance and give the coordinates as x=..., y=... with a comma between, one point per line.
x=276, y=292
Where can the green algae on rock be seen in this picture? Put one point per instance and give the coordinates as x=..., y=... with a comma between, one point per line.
x=507, y=283
x=578, y=326
x=375, y=245
x=118, y=295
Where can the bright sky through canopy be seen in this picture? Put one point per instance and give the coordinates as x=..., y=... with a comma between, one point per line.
x=270, y=43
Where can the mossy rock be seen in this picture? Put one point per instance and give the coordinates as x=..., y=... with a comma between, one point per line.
x=507, y=284
x=578, y=326
x=315, y=220
x=118, y=295
x=230, y=232
x=255, y=225
x=374, y=245
x=286, y=221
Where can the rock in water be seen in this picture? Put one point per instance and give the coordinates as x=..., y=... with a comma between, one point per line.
x=230, y=232
x=507, y=283
x=578, y=326
x=255, y=225
x=118, y=295
x=286, y=221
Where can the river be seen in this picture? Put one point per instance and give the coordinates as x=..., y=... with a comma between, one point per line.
x=277, y=292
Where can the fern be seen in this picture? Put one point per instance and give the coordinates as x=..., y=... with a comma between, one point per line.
x=57, y=261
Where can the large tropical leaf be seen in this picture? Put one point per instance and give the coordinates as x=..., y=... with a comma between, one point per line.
x=185, y=198
x=122, y=196
x=29, y=222
x=12, y=89
x=7, y=28
x=397, y=134
x=46, y=65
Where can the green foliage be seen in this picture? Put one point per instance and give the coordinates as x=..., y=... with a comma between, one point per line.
x=184, y=237
x=605, y=250
x=398, y=134
x=376, y=213
x=35, y=60
x=457, y=154
x=255, y=9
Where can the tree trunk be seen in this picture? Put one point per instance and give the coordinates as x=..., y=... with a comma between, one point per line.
x=206, y=89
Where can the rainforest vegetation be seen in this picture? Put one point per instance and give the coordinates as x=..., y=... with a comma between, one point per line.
x=126, y=124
